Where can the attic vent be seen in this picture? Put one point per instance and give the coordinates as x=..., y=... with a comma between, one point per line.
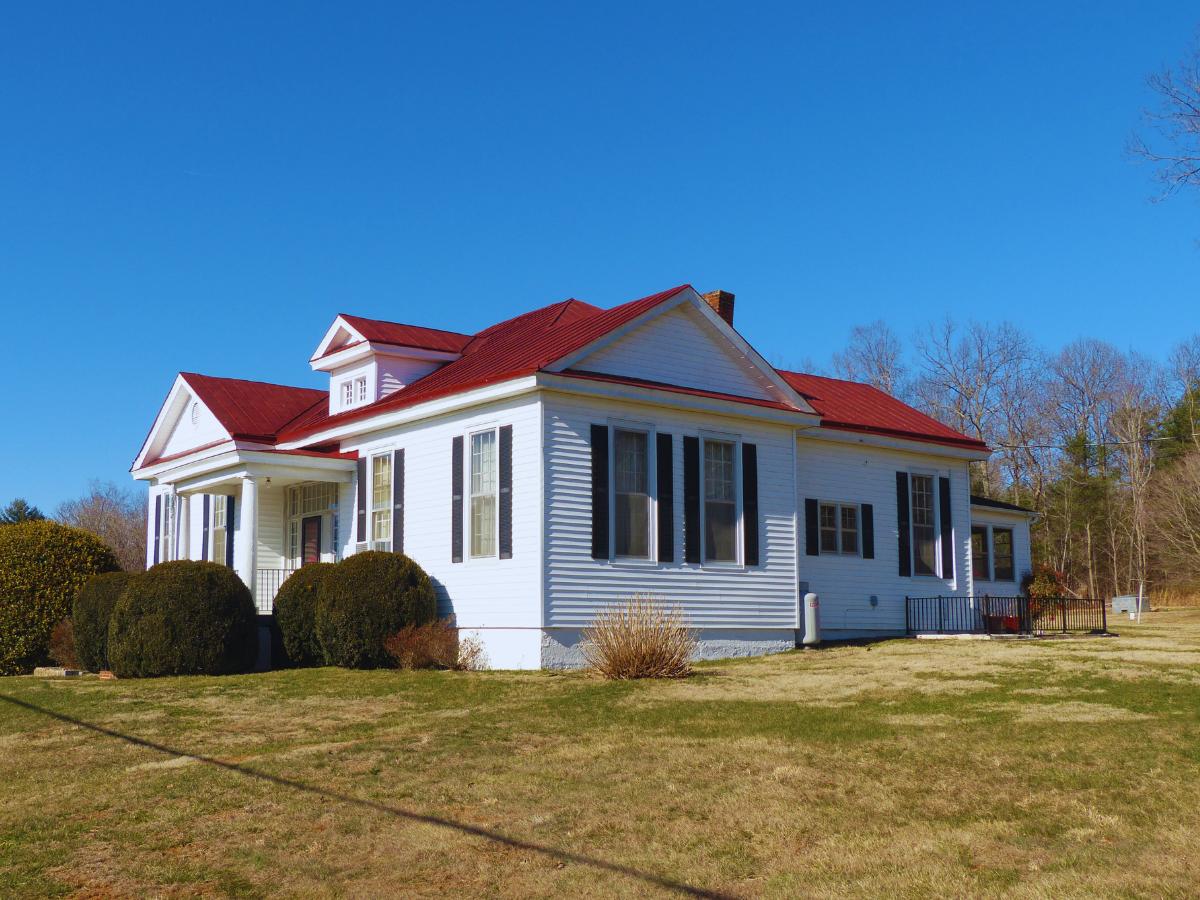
x=195, y=412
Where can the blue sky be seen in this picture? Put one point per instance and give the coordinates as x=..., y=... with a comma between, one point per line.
x=203, y=186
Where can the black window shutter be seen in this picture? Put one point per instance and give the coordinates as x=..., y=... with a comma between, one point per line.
x=947, y=529
x=506, y=495
x=750, y=502
x=812, y=543
x=691, y=499
x=666, y=498
x=360, y=533
x=157, y=524
x=456, y=500
x=229, y=530
x=867, y=520
x=902, y=524
x=204, y=527
x=398, y=501
x=599, y=492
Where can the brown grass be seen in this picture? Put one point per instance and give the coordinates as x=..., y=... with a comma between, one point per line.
x=641, y=638
x=903, y=768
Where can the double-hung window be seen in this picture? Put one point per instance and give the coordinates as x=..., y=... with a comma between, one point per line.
x=483, y=484
x=381, y=497
x=720, y=501
x=165, y=529
x=980, y=564
x=924, y=526
x=631, y=490
x=219, y=531
x=1002, y=554
x=839, y=528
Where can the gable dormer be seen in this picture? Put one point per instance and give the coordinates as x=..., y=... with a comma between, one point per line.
x=367, y=359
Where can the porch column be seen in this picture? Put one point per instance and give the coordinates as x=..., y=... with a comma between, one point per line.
x=245, y=543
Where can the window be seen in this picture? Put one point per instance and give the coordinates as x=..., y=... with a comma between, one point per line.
x=631, y=488
x=381, y=497
x=347, y=394
x=720, y=502
x=165, y=530
x=219, y=530
x=924, y=526
x=1002, y=554
x=360, y=389
x=839, y=528
x=979, y=553
x=483, y=494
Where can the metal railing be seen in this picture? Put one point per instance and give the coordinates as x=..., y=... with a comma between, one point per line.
x=266, y=585
x=1005, y=615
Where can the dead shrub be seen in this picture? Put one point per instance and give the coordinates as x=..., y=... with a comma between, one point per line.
x=62, y=645
x=434, y=645
x=640, y=639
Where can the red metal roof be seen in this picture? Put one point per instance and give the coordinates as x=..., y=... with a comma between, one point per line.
x=511, y=349
x=860, y=407
x=406, y=335
x=524, y=345
x=254, y=410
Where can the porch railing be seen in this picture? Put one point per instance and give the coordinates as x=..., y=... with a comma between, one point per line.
x=266, y=585
x=1005, y=615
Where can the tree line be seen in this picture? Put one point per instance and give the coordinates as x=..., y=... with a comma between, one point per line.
x=115, y=514
x=1103, y=444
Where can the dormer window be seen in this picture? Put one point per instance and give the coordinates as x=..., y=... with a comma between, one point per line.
x=347, y=394
x=360, y=389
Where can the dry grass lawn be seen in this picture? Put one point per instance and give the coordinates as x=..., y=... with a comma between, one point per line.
x=903, y=768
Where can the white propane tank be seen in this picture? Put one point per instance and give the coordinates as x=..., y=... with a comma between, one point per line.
x=812, y=620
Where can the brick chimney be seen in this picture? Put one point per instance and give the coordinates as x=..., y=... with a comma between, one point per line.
x=721, y=303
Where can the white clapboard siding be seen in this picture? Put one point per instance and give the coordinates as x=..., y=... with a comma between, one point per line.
x=578, y=587
x=271, y=530
x=480, y=593
x=680, y=347
x=859, y=474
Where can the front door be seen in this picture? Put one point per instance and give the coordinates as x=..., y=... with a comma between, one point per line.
x=310, y=539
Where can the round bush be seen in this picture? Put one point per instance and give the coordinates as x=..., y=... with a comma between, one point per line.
x=42, y=566
x=365, y=599
x=183, y=618
x=92, y=611
x=295, y=613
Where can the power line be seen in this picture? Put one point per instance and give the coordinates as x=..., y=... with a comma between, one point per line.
x=1087, y=444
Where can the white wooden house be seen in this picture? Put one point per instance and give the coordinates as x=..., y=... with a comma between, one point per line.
x=570, y=457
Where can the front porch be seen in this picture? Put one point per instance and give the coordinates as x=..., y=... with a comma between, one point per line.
x=265, y=519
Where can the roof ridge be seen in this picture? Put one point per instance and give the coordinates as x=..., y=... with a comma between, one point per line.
x=290, y=387
x=402, y=324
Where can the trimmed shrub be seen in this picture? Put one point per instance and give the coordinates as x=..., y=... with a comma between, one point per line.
x=62, y=645
x=42, y=566
x=640, y=639
x=296, y=612
x=434, y=645
x=183, y=618
x=91, y=614
x=365, y=599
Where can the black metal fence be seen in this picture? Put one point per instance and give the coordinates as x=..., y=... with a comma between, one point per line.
x=1005, y=615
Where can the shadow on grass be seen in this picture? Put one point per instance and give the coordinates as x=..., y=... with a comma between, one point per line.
x=384, y=808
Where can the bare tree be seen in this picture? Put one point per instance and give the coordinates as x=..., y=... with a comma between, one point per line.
x=1173, y=144
x=983, y=381
x=114, y=514
x=875, y=356
x=1175, y=519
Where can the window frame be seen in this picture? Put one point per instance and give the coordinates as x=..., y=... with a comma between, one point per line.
x=1012, y=553
x=218, y=506
x=651, y=433
x=739, y=543
x=837, y=506
x=373, y=509
x=937, y=522
x=986, y=530
x=347, y=388
x=360, y=390
x=469, y=494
